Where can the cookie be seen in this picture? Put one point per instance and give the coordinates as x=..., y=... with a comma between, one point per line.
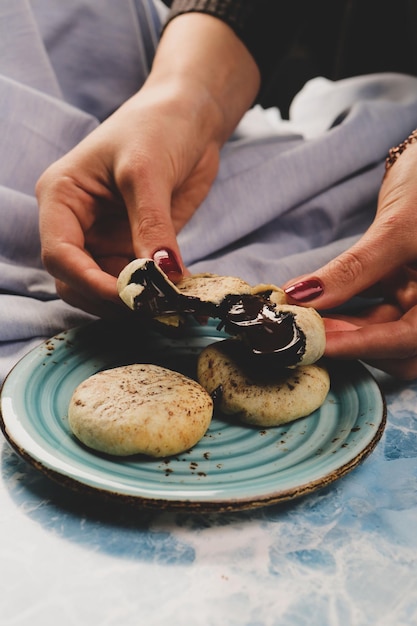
x=259, y=315
x=144, y=287
x=140, y=409
x=311, y=325
x=254, y=391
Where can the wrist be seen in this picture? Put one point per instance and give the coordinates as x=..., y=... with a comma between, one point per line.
x=216, y=77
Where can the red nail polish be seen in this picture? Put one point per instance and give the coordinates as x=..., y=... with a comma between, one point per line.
x=305, y=290
x=168, y=263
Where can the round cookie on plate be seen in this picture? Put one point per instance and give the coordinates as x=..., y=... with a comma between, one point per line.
x=254, y=390
x=140, y=409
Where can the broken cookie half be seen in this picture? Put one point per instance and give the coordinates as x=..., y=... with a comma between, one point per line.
x=259, y=316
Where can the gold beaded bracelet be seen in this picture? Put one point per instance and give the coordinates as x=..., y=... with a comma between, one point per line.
x=394, y=153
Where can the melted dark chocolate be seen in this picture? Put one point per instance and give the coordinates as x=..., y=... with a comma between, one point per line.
x=160, y=298
x=158, y=295
x=266, y=331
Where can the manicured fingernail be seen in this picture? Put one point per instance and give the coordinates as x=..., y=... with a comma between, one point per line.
x=305, y=290
x=168, y=263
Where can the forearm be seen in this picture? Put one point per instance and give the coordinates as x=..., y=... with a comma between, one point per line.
x=267, y=28
x=202, y=57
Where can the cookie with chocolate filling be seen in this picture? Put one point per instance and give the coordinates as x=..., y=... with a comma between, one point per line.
x=258, y=315
x=253, y=390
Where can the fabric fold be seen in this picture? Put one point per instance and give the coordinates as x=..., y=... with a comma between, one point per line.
x=259, y=183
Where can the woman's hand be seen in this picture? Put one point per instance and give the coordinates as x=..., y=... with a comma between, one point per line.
x=124, y=191
x=130, y=186
x=382, y=263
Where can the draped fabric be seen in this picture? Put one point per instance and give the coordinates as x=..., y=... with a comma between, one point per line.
x=64, y=67
x=289, y=195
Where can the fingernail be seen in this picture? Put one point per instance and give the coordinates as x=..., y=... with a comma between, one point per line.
x=305, y=290
x=168, y=263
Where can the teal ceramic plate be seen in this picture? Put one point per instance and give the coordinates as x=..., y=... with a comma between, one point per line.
x=233, y=467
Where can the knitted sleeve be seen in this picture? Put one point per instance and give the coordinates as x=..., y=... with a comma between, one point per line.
x=233, y=12
x=266, y=27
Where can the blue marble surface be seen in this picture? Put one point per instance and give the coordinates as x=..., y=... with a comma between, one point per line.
x=343, y=556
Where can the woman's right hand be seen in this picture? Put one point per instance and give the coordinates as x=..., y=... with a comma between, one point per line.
x=382, y=263
x=130, y=186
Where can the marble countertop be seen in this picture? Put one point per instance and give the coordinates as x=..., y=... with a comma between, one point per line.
x=345, y=555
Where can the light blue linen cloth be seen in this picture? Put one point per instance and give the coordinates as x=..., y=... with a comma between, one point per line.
x=289, y=194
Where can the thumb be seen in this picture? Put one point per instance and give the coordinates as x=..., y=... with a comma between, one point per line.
x=153, y=233
x=374, y=256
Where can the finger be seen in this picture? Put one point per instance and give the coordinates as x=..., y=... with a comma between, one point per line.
x=380, y=251
x=333, y=325
x=381, y=313
x=342, y=343
x=404, y=369
x=72, y=266
x=392, y=340
x=64, y=256
x=65, y=212
x=148, y=203
x=100, y=308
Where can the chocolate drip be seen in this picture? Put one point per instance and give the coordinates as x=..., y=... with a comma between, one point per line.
x=157, y=297
x=263, y=329
x=160, y=297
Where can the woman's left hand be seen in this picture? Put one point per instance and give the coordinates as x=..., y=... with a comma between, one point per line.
x=382, y=263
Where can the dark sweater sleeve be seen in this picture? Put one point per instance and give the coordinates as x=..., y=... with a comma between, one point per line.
x=233, y=12
x=266, y=27
x=295, y=40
